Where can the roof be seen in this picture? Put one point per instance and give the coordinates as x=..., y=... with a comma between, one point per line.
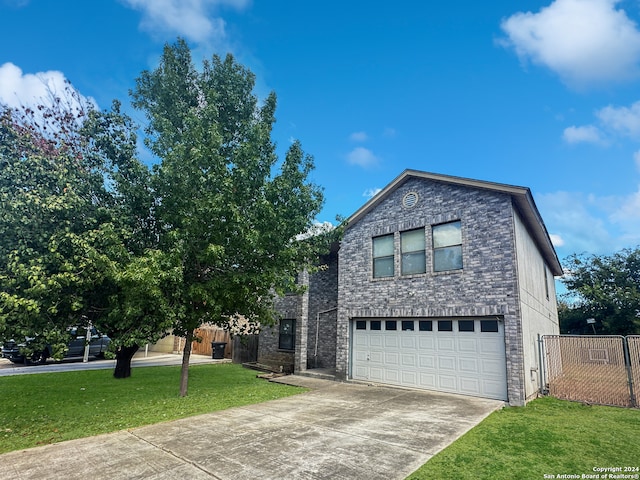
x=521, y=196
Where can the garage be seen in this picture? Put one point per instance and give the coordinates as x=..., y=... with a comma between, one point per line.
x=454, y=355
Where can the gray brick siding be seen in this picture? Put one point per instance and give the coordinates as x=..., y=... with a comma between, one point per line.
x=486, y=286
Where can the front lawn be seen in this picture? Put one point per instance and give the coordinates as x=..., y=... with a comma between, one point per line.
x=51, y=407
x=547, y=437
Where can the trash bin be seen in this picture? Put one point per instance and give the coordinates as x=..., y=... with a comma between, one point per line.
x=217, y=349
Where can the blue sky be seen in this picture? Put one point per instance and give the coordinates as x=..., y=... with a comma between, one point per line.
x=542, y=94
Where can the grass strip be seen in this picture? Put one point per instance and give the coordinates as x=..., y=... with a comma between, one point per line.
x=547, y=437
x=45, y=408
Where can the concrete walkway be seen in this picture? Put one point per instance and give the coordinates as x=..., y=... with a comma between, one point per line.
x=335, y=431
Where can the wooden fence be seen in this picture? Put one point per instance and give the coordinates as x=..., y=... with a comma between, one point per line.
x=208, y=334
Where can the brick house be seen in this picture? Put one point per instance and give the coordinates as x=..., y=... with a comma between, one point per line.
x=440, y=283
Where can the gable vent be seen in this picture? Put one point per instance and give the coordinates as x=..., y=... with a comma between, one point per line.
x=410, y=200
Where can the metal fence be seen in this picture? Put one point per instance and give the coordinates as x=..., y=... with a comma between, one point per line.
x=597, y=369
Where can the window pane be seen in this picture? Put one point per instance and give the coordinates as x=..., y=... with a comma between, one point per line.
x=413, y=263
x=449, y=258
x=412, y=241
x=383, y=267
x=425, y=325
x=361, y=324
x=447, y=234
x=390, y=325
x=383, y=246
x=488, y=325
x=376, y=325
x=445, y=326
x=465, y=325
x=287, y=335
x=407, y=324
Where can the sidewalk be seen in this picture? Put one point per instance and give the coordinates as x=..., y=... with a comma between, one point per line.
x=140, y=359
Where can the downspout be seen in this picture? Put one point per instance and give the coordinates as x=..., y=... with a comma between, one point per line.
x=315, y=350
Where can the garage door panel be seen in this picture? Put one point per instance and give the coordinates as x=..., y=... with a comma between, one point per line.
x=409, y=378
x=408, y=360
x=468, y=365
x=466, y=362
x=392, y=358
x=495, y=367
x=469, y=385
x=426, y=342
x=391, y=341
x=491, y=345
x=446, y=344
x=392, y=375
x=447, y=363
x=408, y=341
x=427, y=361
x=448, y=382
x=468, y=345
x=495, y=389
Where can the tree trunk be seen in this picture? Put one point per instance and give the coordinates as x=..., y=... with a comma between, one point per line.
x=123, y=361
x=184, y=373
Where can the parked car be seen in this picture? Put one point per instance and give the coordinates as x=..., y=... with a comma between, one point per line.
x=98, y=345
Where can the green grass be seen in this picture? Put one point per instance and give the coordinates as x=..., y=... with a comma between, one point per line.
x=548, y=436
x=39, y=409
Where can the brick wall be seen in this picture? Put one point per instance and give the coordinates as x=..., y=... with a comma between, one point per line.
x=486, y=286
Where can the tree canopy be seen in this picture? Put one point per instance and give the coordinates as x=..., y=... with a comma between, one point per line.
x=76, y=221
x=212, y=233
x=231, y=213
x=605, y=288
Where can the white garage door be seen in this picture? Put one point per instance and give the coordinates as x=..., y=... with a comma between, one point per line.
x=464, y=356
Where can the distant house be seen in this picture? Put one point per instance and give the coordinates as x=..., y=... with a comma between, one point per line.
x=440, y=283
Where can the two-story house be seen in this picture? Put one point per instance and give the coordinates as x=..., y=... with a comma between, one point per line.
x=439, y=283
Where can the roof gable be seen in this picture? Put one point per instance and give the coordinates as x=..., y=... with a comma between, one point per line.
x=521, y=197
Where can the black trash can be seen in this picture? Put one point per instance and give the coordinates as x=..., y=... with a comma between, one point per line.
x=217, y=349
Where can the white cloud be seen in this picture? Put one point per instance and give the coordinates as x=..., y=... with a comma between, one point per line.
x=363, y=157
x=622, y=120
x=588, y=133
x=572, y=217
x=359, y=137
x=192, y=19
x=18, y=88
x=586, y=42
x=371, y=192
x=556, y=240
x=591, y=224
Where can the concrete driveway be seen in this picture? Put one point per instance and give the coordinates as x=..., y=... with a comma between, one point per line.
x=335, y=431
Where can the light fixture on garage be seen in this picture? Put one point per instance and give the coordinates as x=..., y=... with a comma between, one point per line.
x=410, y=200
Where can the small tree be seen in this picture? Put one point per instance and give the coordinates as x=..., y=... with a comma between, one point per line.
x=229, y=221
x=606, y=288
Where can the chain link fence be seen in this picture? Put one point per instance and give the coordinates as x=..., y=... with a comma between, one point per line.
x=597, y=369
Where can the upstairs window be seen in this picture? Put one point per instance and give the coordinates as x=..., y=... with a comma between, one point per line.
x=383, y=256
x=287, y=340
x=412, y=247
x=447, y=247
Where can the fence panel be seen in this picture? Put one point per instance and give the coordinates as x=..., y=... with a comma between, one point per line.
x=208, y=335
x=633, y=342
x=588, y=369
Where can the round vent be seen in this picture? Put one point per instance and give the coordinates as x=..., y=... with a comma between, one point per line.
x=410, y=200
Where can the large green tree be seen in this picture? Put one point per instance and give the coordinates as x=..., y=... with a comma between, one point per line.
x=603, y=287
x=77, y=229
x=231, y=213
